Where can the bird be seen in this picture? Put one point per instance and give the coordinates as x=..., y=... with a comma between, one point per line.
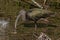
x=33, y=14
x=36, y=14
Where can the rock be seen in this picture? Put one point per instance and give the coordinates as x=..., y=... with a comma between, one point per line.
x=43, y=36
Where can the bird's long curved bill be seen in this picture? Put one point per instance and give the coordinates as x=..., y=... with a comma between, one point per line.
x=21, y=13
x=17, y=20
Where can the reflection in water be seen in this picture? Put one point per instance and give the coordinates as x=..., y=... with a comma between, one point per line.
x=3, y=26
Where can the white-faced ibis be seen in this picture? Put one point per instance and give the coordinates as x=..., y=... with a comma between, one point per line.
x=34, y=14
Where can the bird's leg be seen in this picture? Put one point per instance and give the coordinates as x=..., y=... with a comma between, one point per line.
x=35, y=32
x=35, y=26
x=45, y=2
x=37, y=4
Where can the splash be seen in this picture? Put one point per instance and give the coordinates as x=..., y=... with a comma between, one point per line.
x=3, y=23
x=3, y=26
